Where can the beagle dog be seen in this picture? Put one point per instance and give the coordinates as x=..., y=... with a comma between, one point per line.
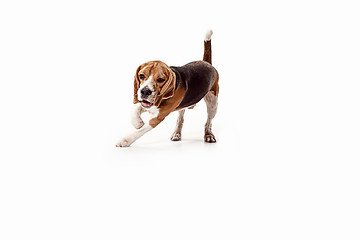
x=160, y=90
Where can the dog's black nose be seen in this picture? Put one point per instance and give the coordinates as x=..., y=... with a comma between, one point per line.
x=145, y=92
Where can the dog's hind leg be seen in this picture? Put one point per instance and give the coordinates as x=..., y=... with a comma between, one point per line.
x=211, y=101
x=176, y=136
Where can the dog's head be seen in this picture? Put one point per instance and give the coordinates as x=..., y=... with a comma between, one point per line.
x=153, y=82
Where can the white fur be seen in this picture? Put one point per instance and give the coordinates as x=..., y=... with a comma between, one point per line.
x=142, y=128
x=211, y=104
x=128, y=140
x=148, y=84
x=208, y=35
x=132, y=137
x=136, y=120
x=153, y=111
x=176, y=136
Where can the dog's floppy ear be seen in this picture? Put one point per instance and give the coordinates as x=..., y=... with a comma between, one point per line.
x=136, y=84
x=168, y=89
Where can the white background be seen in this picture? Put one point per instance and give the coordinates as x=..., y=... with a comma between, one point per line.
x=286, y=164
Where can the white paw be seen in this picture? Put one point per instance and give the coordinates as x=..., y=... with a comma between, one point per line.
x=123, y=143
x=176, y=136
x=209, y=138
x=137, y=122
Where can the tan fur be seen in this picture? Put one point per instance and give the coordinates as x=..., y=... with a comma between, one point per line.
x=167, y=106
x=166, y=98
x=215, y=87
x=158, y=70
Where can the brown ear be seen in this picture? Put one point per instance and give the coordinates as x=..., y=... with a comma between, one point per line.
x=168, y=89
x=136, y=84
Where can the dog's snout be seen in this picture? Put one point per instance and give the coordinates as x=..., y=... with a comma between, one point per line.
x=145, y=92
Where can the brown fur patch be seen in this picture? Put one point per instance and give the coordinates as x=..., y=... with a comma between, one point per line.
x=158, y=70
x=168, y=106
x=207, y=52
x=215, y=87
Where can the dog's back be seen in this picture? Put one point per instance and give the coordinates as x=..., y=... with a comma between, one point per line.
x=197, y=78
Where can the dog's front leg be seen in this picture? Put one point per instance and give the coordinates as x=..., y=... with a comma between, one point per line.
x=136, y=120
x=132, y=137
x=128, y=140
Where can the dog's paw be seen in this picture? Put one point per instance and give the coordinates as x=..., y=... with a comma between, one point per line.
x=209, y=138
x=176, y=136
x=137, y=122
x=123, y=143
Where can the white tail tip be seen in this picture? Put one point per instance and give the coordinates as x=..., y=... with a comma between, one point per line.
x=208, y=35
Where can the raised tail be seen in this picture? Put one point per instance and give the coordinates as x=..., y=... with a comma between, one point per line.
x=207, y=46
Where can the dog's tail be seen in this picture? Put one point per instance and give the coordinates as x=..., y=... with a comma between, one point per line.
x=207, y=46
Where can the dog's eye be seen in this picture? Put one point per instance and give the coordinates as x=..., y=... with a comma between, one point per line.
x=160, y=80
x=142, y=76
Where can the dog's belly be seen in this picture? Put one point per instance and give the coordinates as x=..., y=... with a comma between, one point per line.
x=197, y=78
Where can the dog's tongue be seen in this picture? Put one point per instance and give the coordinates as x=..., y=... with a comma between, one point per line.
x=146, y=104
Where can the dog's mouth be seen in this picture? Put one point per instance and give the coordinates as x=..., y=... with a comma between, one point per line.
x=146, y=104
